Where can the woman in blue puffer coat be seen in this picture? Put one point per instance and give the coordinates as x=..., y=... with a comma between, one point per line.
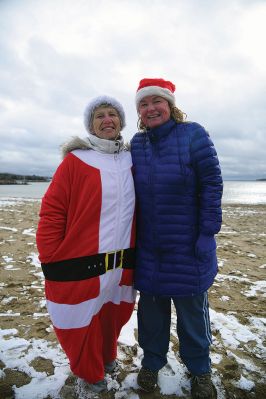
x=179, y=189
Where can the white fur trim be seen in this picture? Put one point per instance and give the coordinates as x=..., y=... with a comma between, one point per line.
x=76, y=143
x=154, y=91
x=94, y=143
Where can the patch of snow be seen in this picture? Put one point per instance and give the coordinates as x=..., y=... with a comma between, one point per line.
x=224, y=298
x=255, y=287
x=232, y=332
x=13, y=229
x=252, y=255
x=34, y=259
x=7, y=259
x=244, y=384
x=29, y=232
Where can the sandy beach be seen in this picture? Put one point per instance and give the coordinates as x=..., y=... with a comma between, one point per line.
x=29, y=352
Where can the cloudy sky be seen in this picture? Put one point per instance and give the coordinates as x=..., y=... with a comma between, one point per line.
x=55, y=55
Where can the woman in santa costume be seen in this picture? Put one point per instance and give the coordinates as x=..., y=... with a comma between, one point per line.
x=86, y=239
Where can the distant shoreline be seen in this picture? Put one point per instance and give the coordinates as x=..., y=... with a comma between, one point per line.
x=16, y=179
x=9, y=183
x=21, y=183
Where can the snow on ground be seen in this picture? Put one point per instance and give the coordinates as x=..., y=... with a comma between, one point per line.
x=231, y=336
x=13, y=229
x=7, y=202
x=17, y=353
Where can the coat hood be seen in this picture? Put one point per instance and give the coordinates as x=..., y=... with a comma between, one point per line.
x=94, y=143
x=76, y=143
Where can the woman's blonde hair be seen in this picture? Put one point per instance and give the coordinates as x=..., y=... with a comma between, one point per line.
x=175, y=113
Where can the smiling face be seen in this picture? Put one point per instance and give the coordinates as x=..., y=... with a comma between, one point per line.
x=106, y=123
x=154, y=111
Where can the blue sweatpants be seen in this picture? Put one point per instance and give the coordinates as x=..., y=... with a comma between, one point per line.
x=193, y=330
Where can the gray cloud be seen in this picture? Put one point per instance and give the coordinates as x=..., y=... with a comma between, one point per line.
x=57, y=55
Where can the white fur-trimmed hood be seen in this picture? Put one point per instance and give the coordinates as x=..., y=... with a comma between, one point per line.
x=94, y=143
x=76, y=143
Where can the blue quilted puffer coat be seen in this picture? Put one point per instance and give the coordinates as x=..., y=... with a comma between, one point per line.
x=179, y=188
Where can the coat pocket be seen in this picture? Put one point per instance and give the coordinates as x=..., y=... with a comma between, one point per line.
x=206, y=261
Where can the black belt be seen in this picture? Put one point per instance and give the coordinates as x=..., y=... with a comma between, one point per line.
x=89, y=266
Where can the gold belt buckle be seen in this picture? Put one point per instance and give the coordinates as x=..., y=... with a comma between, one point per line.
x=121, y=259
x=107, y=260
x=115, y=253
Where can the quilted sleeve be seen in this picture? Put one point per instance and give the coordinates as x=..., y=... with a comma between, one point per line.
x=53, y=213
x=209, y=179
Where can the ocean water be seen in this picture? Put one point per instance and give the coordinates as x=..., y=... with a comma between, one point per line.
x=235, y=192
x=244, y=192
x=31, y=190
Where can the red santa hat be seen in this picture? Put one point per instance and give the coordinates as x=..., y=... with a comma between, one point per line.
x=155, y=87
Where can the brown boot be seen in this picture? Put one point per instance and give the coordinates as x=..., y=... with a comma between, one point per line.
x=110, y=367
x=202, y=387
x=100, y=386
x=147, y=379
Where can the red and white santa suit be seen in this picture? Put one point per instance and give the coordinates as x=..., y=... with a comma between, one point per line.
x=86, y=239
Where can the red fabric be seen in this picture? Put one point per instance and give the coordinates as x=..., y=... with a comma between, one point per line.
x=89, y=348
x=72, y=292
x=69, y=228
x=127, y=277
x=164, y=84
x=70, y=216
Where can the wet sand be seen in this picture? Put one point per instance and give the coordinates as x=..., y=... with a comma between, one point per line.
x=238, y=292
